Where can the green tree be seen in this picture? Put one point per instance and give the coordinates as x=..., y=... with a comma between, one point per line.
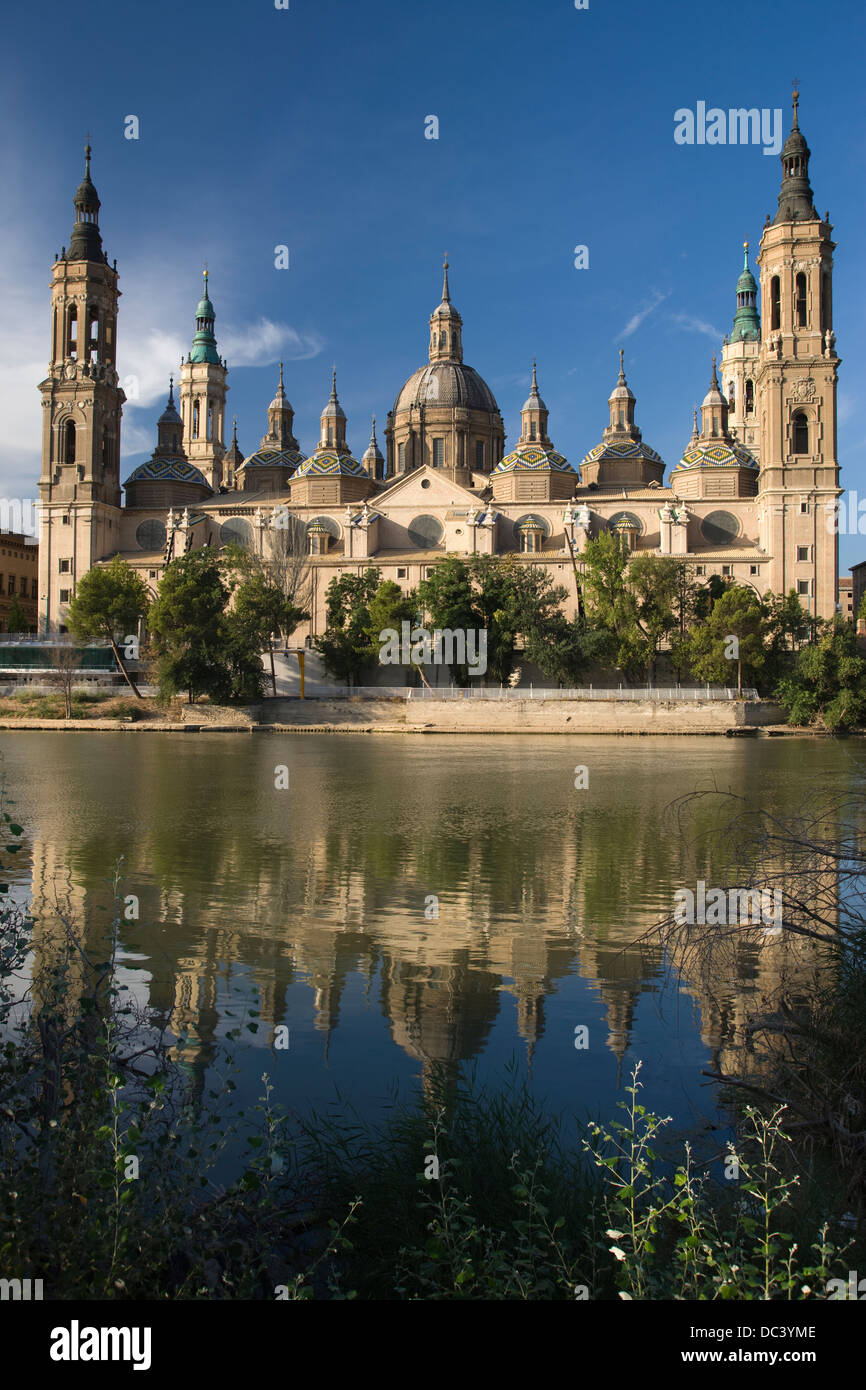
x=16, y=618
x=787, y=626
x=109, y=602
x=448, y=601
x=656, y=583
x=613, y=606
x=828, y=683
x=733, y=631
x=389, y=609
x=260, y=611
x=191, y=635
x=346, y=646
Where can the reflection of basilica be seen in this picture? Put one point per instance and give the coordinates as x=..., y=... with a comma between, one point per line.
x=238, y=903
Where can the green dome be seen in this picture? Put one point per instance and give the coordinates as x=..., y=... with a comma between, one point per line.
x=205, y=309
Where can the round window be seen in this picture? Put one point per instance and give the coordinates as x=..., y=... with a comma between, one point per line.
x=426, y=532
x=720, y=528
x=238, y=530
x=151, y=534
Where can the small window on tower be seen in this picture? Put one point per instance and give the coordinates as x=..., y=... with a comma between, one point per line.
x=438, y=453
x=803, y=586
x=64, y=598
x=775, y=303
x=532, y=430
x=63, y=566
x=401, y=456
x=94, y=333
x=210, y=421
x=195, y=419
x=801, y=300
x=72, y=334
x=802, y=553
x=479, y=454
x=750, y=396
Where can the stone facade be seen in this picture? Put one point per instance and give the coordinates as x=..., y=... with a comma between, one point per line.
x=749, y=499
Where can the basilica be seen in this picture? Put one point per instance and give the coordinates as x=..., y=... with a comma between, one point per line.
x=751, y=497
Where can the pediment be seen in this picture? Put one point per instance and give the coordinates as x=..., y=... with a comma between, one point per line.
x=425, y=488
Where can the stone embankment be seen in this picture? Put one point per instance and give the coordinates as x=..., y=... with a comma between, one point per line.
x=735, y=718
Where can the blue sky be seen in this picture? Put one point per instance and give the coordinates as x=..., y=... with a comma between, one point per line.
x=305, y=127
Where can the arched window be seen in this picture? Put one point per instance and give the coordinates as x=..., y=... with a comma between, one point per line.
x=801, y=433
x=94, y=333
x=750, y=396
x=72, y=334
x=195, y=419
x=210, y=420
x=775, y=303
x=109, y=343
x=826, y=302
x=801, y=300
x=532, y=430
x=69, y=442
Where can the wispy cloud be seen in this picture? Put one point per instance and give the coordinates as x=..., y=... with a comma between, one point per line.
x=265, y=341
x=642, y=313
x=690, y=324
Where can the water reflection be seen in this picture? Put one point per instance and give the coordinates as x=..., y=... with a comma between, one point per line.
x=314, y=905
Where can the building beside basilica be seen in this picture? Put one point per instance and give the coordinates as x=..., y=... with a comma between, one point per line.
x=749, y=498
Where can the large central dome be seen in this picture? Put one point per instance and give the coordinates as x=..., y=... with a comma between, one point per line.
x=446, y=383
x=446, y=415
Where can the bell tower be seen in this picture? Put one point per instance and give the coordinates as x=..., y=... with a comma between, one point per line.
x=82, y=401
x=797, y=371
x=203, y=396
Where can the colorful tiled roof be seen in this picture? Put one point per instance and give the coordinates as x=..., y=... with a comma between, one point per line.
x=532, y=458
x=628, y=449
x=716, y=453
x=167, y=471
x=274, y=458
x=329, y=463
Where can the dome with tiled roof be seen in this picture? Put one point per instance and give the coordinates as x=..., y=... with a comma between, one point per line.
x=446, y=384
x=715, y=446
x=329, y=463
x=716, y=453
x=530, y=458
x=446, y=400
x=333, y=457
x=161, y=470
x=622, y=456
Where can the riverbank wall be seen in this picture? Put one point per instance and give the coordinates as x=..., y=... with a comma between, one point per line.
x=470, y=716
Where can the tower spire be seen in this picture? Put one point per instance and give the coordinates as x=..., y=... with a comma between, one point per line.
x=446, y=295
x=446, y=326
x=86, y=243
x=795, y=196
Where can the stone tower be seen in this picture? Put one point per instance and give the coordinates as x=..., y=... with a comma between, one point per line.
x=82, y=401
x=203, y=396
x=796, y=385
x=740, y=355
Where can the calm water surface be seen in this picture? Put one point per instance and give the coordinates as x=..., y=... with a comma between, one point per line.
x=313, y=906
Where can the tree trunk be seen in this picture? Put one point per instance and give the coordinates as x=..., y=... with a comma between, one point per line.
x=127, y=677
x=273, y=672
